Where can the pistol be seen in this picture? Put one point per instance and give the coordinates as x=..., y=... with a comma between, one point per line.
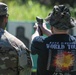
x=40, y=22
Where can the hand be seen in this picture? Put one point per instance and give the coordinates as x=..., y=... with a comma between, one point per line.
x=45, y=30
x=35, y=26
x=43, y=27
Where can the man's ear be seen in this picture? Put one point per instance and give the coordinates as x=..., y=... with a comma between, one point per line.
x=51, y=29
x=5, y=19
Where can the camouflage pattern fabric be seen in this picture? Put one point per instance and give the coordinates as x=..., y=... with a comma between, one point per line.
x=8, y=61
x=15, y=58
x=61, y=18
x=3, y=9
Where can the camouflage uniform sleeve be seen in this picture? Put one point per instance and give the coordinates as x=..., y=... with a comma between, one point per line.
x=24, y=63
x=23, y=54
x=25, y=60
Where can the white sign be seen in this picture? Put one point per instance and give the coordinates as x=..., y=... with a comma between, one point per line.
x=20, y=28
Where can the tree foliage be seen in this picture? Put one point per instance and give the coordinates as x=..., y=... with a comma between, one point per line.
x=29, y=9
x=53, y=2
x=48, y=3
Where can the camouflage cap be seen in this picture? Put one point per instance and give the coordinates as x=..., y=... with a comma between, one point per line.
x=61, y=18
x=3, y=9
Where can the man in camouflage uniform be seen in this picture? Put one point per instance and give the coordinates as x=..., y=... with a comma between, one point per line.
x=14, y=55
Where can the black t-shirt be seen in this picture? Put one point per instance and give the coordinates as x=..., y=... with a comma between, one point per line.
x=62, y=49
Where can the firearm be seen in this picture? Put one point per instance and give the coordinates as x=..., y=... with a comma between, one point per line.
x=40, y=22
